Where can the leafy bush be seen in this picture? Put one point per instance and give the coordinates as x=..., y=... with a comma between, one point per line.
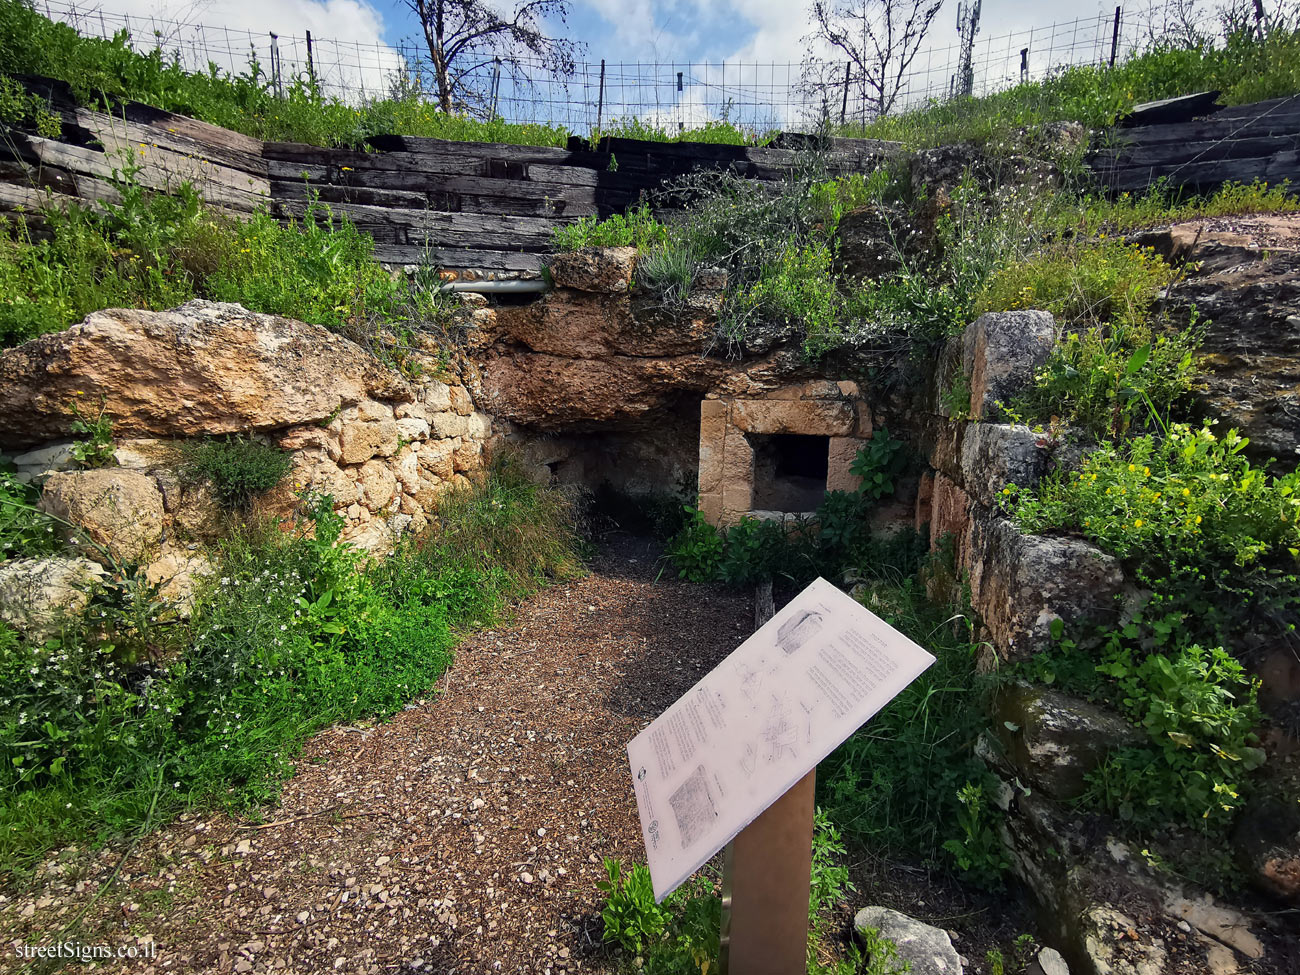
x=696, y=550
x=155, y=250
x=796, y=288
x=878, y=462
x=756, y=550
x=1188, y=497
x=293, y=632
x=1107, y=379
x=1104, y=282
x=1198, y=707
x=978, y=852
x=637, y=228
x=237, y=468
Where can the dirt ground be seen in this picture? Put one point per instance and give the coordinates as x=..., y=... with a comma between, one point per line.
x=466, y=834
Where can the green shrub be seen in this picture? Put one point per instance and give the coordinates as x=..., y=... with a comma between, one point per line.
x=237, y=468
x=1108, y=281
x=637, y=228
x=1188, y=497
x=1107, y=380
x=97, y=449
x=696, y=550
x=1198, y=708
x=154, y=250
x=293, y=632
x=756, y=550
x=795, y=288
x=878, y=462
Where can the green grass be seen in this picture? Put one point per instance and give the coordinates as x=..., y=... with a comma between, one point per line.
x=156, y=251
x=714, y=132
x=130, y=715
x=1243, y=69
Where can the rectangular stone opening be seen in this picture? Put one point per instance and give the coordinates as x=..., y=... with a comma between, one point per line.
x=789, y=471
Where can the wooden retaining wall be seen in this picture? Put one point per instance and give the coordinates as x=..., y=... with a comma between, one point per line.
x=459, y=205
x=1241, y=144
x=492, y=208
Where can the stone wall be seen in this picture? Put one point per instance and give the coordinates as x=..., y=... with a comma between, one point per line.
x=383, y=447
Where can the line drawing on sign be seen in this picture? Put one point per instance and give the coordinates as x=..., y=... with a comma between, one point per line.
x=694, y=808
x=779, y=732
x=798, y=630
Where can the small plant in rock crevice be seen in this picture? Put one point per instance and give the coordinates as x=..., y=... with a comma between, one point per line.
x=237, y=468
x=96, y=450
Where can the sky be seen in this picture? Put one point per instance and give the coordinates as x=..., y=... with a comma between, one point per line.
x=685, y=33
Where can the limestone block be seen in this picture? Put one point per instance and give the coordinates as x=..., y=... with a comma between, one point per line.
x=120, y=510
x=994, y=455
x=377, y=485
x=460, y=401
x=436, y=458
x=203, y=368
x=843, y=451
x=36, y=466
x=713, y=431
x=38, y=595
x=833, y=418
x=445, y=426
x=303, y=437
x=478, y=426
x=466, y=457
x=361, y=439
x=1054, y=740
x=949, y=517
x=927, y=949
x=1000, y=353
x=178, y=576
x=1021, y=583
x=601, y=269
x=436, y=396
x=413, y=428
x=711, y=508
x=314, y=471
x=406, y=468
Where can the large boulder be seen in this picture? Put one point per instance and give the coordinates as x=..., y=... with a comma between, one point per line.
x=1054, y=740
x=38, y=595
x=1001, y=352
x=120, y=511
x=926, y=948
x=1252, y=350
x=203, y=368
x=1021, y=584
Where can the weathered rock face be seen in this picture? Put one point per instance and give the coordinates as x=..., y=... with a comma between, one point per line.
x=37, y=595
x=120, y=510
x=927, y=949
x=203, y=368
x=607, y=270
x=1000, y=353
x=1054, y=740
x=1020, y=584
x=1252, y=349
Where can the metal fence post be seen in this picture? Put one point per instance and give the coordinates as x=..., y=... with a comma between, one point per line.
x=1024, y=64
x=844, y=105
x=1114, y=38
x=311, y=67
x=600, y=99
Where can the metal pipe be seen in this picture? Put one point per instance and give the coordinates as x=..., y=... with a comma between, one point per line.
x=497, y=287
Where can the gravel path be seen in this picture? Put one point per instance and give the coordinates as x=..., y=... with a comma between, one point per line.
x=465, y=835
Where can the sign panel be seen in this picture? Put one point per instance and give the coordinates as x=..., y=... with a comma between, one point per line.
x=758, y=722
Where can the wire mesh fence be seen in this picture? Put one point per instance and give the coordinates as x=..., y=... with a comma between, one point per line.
x=668, y=95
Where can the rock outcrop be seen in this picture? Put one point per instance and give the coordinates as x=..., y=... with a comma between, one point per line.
x=120, y=511
x=37, y=595
x=927, y=950
x=203, y=368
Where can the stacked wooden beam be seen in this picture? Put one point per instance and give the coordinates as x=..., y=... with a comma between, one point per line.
x=1241, y=144
x=458, y=205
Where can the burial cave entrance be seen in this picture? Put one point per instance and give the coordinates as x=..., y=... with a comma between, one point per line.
x=789, y=471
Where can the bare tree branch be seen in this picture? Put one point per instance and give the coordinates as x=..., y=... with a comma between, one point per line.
x=465, y=35
x=879, y=39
